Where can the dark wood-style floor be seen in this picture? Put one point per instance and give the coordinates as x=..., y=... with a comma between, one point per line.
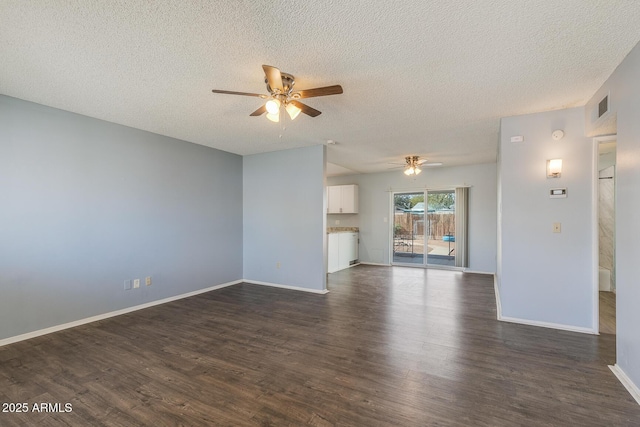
x=388, y=346
x=607, y=312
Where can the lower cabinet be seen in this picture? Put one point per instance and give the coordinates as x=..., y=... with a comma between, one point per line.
x=342, y=250
x=333, y=249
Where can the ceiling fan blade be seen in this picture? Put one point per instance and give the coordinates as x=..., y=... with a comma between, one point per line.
x=228, y=92
x=274, y=77
x=306, y=109
x=320, y=91
x=260, y=111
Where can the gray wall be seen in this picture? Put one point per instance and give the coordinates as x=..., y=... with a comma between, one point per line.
x=284, y=217
x=87, y=204
x=546, y=276
x=374, y=193
x=624, y=96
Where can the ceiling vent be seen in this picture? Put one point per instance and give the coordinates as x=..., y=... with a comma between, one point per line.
x=603, y=106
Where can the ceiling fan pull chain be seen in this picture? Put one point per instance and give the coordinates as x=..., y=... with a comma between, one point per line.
x=283, y=127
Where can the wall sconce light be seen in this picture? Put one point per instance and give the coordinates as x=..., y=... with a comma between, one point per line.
x=554, y=168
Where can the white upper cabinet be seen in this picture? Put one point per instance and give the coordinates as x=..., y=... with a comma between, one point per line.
x=342, y=199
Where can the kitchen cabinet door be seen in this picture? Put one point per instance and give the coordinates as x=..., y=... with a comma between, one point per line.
x=354, y=246
x=342, y=199
x=334, y=199
x=333, y=252
x=349, y=199
x=344, y=251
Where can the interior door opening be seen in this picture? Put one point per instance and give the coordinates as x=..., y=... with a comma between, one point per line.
x=606, y=235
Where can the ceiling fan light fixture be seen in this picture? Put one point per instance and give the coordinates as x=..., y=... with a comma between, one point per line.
x=273, y=106
x=413, y=165
x=274, y=117
x=292, y=110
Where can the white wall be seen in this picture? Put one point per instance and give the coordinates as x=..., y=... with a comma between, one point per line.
x=624, y=95
x=374, y=192
x=546, y=277
x=284, y=217
x=87, y=204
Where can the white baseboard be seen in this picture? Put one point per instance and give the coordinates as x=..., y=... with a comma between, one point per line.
x=496, y=289
x=478, y=272
x=293, y=288
x=375, y=263
x=559, y=326
x=633, y=389
x=103, y=316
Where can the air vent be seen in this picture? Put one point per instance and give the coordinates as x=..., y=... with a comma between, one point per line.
x=603, y=106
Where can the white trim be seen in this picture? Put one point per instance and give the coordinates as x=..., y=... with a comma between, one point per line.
x=496, y=289
x=595, y=234
x=293, y=288
x=595, y=223
x=103, y=316
x=633, y=389
x=375, y=263
x=477, y=271
x=548, y=325
x=390, y=227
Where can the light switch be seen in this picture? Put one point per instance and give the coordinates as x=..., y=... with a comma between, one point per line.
x=557, y=227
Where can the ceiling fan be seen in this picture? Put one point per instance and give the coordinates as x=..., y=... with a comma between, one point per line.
x=413, y=165
x=281, y=95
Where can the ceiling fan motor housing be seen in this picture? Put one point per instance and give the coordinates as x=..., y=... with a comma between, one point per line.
x=287, y=84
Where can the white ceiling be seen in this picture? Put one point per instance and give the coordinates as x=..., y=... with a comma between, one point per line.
x=420, y=77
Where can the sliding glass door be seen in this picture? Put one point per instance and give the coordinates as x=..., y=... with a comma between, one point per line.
x=441, y=227
x=429, y=228
x=408, y=228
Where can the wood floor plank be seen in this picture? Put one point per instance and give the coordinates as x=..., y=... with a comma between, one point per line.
x=607, y=312
x=388, y=346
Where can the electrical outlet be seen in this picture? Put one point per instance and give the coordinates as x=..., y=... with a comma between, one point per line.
x=557, y=227
x=136, y=283
x=127, y=285
x=278, y=265
x=148, y=280
x=337, y=222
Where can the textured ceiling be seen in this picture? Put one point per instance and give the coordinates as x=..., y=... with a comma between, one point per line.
x=420, y=77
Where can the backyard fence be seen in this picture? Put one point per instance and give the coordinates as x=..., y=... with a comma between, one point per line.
x=441, y=224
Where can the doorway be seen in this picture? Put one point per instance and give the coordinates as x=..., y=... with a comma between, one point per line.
x=606, y=234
